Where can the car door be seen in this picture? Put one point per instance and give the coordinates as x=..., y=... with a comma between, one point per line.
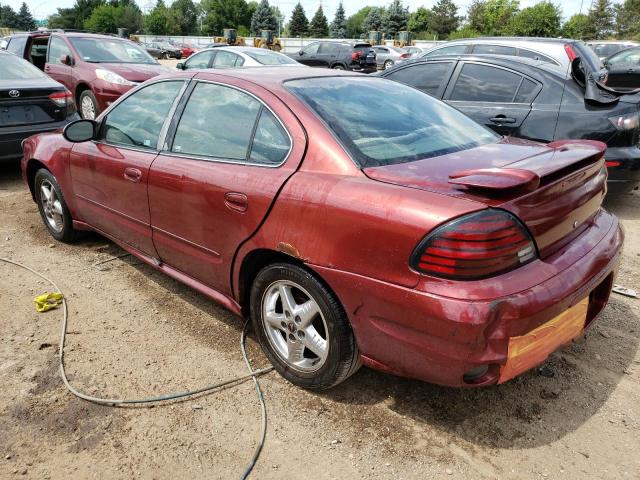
x=493, y=95
x=457, y=49
x=328, y=54
x=200, y=60
x=110, y=175
x=225, y=59
x=382, y=54
x=309, y=55
x=624, y=69
x=225, y=161
x=430, y=77
x=59, y=61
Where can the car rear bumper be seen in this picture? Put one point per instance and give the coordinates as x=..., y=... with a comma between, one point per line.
x=623, y=167
x=11, y=137
x=364, y=69
x=439, y=338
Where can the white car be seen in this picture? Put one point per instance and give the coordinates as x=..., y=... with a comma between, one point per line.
x=230, y=57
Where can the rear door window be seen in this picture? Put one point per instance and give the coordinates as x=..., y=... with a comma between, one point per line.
x=16, y=46
x=494, y=50
x=329, y=48
x=311, y=49
x=535, y=55
x=225, y=59
x=452, y=50
x=484, y=83
x=270, y=143
x=429, y=77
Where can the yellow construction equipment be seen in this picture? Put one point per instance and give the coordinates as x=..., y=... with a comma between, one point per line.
x=267, y=39
x=376, y=38
x=405, y=39
x=5, y=32
x=230, y=37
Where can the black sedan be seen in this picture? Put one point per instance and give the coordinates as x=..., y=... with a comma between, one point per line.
x=624, y=69
x=164, y=49
x=535, y=100
x=30, y=103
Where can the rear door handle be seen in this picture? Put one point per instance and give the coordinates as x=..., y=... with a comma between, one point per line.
x=503, y=119
x=235, y=201
x=47, y=68
x=132, y=174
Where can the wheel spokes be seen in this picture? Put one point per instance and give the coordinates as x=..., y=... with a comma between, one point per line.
x=314, y=342
x=275, y=319
x=305, y=313
x=286, y=296
x=46, y=193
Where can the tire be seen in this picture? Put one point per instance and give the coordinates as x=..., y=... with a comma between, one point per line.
x=338, y=67
x=53, y=209
x=166, y=56
x=388, y=64
x=312, y=309
x=88, y=105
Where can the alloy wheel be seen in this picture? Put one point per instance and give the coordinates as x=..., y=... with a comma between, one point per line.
x=51, y=206
x=295, y=326
x=88, y=109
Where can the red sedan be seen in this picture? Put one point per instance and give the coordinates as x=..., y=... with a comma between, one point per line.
x=187, y=50
x=356, y=220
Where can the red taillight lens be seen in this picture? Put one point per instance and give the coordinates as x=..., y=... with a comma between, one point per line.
x=355, y=56
x=61, y=98
x=405, y=55
x=475, y=246
x=570, y=51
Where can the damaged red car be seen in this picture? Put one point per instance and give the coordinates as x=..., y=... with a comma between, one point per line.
x=356, y=220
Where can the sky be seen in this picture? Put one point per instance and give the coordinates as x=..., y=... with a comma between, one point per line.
x=42, y=9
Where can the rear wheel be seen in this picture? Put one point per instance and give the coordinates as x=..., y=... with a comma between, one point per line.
x=338, y=67
x=53, y=209
x=88, y=105
x=302, y=328
x=388, y=64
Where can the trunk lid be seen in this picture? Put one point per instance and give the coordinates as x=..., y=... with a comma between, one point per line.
x=29, y=104
x=555, y=189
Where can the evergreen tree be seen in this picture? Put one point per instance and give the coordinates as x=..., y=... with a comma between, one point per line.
x=8, y=17
x=395, y=18
x=601, y=17
x=263, y=19
x=339, y=24
x=445, y=18
x=319, y=27
x=186, y=14
x=628, y=19
x=74, y=17
x=373, y=21
x=24, y=20
x=299, y=25
x=476, y=15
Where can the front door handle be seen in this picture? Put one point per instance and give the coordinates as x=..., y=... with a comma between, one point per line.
x=47, y=68
x=502, y=119
x=235, y=201
x=132, y=174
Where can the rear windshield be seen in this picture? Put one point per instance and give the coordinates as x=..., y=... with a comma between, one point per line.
x=267, y=57
x=106, y=50
x=14, y=68
x=381, y=122
x=606, y=49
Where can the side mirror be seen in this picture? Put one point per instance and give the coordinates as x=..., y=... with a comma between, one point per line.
x=66, y=60
x=180, y=66
x=80, y=131
x=301, y=53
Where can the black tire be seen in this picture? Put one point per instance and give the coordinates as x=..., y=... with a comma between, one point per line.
x=342, y=358
x=338, y=67
x=387, y=64
x=87, y=95
x=66, y=233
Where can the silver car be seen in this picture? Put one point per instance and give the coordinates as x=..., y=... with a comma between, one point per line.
x=230, y=57
x=606, y=48
x=413, y=51
x=387, y=56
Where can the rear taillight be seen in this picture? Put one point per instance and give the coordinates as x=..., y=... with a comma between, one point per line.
x=62, y=99
x=571, y=53
x=405, y=55
x=355, y=56
x=630, y=121
x=475, y=246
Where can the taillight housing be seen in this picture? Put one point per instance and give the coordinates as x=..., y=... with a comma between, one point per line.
x=475, y=246
x=571, y=53
x=355, y=56
x=62, y=99
x=405, y=55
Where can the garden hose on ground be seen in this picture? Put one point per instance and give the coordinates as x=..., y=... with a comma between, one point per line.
x=253, y=374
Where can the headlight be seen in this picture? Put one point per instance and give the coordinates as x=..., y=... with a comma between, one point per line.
x=629, y=121
x=110, y=77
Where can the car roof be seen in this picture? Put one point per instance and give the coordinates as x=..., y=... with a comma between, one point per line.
x=612, y=42
x=512, y=39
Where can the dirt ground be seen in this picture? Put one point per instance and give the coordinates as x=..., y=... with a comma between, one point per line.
x=134, y=332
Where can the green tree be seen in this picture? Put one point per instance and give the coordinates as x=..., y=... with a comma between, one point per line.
x=601, y=17
x=498, y=14
x=445, y=18
x=338, y=27
x=24, y=19
x=221, y=14
x=373, y=21
x=130, y=17
x=319, y=27
x=104, y=19
x=355, y=21
x=476, y=15
x=8, y=17
x=395, y=19
x=628, y=19
x=541, y=20
x=420, y=21
x=299, y=24
x=186, y=14
x=161, y=21
x=464, y=32
x=263, y=18
x=578, y=26
x=74, y=17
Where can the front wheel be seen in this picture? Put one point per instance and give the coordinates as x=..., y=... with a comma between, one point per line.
x=53, y=209
x=88, y=105
x=302, y=328
x=338, y=67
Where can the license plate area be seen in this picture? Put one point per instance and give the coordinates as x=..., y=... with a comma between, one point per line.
x=22, y=115
x=531, y=349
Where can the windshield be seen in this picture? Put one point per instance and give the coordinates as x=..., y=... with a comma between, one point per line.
x=381, y=122
x=107, y=50
x=14, y=68
x=267, y=57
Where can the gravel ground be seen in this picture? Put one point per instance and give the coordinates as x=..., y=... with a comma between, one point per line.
x=134, y=332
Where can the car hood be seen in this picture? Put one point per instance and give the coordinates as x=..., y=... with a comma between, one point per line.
x=135, y=72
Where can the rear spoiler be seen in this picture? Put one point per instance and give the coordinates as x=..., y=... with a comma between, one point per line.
x=562, y=158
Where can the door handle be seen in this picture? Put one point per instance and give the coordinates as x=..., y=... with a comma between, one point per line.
x=502, y=119
x=132, y=174
x=47, y=68
x=237, y=202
